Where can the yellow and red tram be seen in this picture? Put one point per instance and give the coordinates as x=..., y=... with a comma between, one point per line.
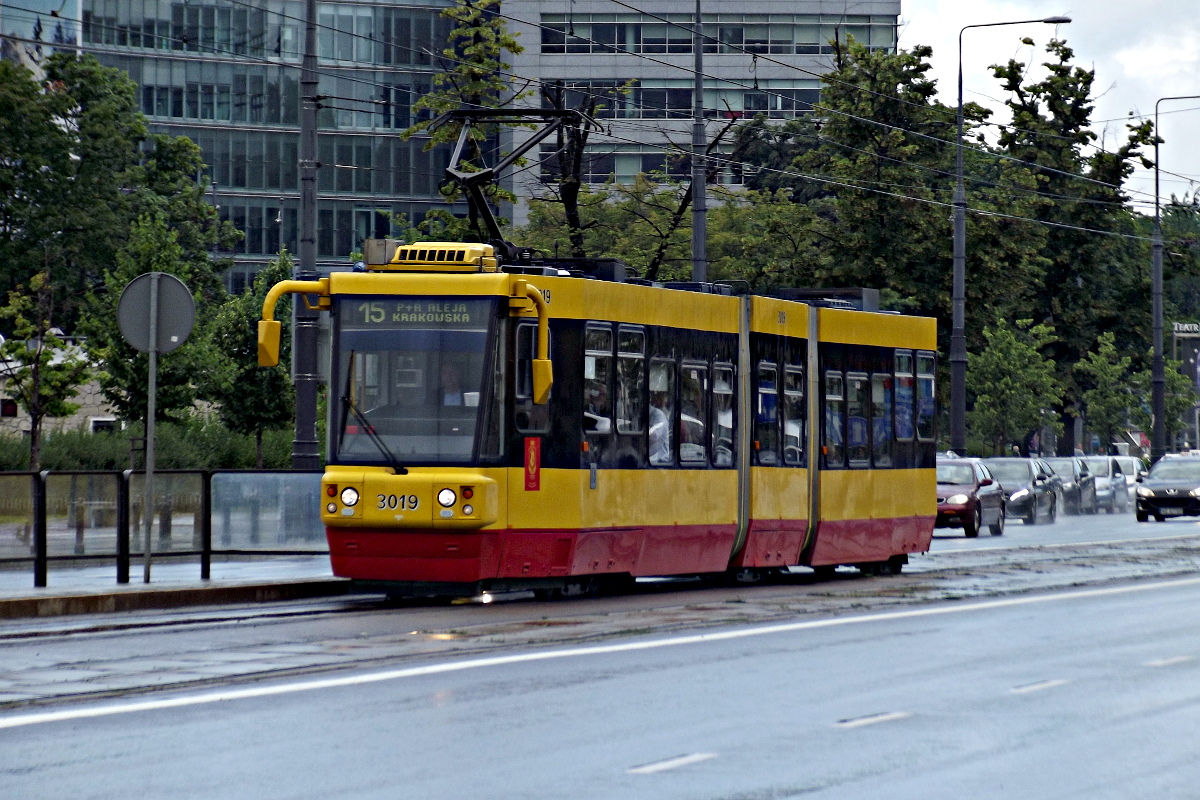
x=493, y=430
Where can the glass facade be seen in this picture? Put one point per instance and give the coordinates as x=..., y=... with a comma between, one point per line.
x=226, y=73
x=774, y=34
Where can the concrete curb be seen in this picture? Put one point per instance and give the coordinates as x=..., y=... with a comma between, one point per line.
x=143, y=599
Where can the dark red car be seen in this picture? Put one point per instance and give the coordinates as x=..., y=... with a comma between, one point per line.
x=968, y=497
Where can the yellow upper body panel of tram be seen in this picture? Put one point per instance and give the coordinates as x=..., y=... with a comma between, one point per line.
x=878, y=330
x=566, y=297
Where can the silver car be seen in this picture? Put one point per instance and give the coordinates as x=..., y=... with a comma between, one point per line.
x=1112, y=493
x=1133, y=468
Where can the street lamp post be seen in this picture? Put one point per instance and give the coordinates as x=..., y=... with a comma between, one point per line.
x=1158, y=433
x=958, y=337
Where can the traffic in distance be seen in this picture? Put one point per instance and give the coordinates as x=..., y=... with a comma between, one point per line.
x=978, y=493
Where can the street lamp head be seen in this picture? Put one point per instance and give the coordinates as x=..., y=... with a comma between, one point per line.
x=1056, y=20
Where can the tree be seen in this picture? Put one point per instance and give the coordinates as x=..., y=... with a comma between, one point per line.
x=124, y=374
x=40, y=369
x=1014, y=383
x=1107, y=400
x=1180, y=399
x=250, y=399
x=1092, y=282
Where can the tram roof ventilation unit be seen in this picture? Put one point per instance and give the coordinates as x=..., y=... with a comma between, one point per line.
x=849, y=298
x=392, y=255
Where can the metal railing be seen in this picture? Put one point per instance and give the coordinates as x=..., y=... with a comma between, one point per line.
x=48, y=517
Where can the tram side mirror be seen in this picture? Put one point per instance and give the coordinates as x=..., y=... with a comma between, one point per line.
x=543, y=378
x=268, y=342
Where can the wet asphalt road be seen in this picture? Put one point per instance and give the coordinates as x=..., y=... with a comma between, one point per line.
x=1072, y=696
x=1087, y=694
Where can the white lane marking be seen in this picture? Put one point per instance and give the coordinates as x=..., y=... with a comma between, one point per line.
x=1053, y=545
x=872, y=719
x=1039, y=686
x=573, y=652
x=670, y=763
x=1169, y=662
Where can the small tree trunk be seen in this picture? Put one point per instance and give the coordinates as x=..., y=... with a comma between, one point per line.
x=258, y=451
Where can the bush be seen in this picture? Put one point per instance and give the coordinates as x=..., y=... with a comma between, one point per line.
x=199, y=443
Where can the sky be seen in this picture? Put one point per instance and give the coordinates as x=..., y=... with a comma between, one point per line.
x=1141, y=50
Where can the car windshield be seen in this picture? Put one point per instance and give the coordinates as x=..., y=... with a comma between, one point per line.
x=1010, y=471
x=955, y=473
x=1099, y=466
x=1062, y=466
x=411, y=383
x=1176, y=470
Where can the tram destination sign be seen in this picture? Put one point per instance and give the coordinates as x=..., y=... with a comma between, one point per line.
x=420, y=313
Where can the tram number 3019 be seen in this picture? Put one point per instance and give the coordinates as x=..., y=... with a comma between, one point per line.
x=404, y=502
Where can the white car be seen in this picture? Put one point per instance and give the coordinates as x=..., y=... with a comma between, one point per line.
x=1134, y=469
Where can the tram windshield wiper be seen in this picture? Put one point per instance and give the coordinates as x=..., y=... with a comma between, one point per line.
x=348, y=405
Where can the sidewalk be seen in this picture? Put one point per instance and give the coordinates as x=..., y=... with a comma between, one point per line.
x=94, y=589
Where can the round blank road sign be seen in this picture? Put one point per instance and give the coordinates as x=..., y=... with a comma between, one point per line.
x=176, y=312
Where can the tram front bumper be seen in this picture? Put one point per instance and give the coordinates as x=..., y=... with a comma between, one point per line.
x=378, y=499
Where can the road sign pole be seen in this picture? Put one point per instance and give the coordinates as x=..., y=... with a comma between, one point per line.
x=151, y=410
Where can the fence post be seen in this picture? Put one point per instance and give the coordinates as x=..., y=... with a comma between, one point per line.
x=123, y=526
x=205, y=524
x=40, y=558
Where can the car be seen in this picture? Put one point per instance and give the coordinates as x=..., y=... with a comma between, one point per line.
x=968, y=497
x=1133, y=468
x=1078, y=484
x=1111, y=491
x=1028, y=486
x=1170, y=489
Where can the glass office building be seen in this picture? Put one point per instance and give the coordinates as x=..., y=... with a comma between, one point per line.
x=226, y=73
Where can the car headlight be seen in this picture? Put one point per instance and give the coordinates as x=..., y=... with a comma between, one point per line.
x=1019, y=494
x=957, y=499
x=349, y=496
x=1195, y=492
x=446, y=498
x=1144, y=492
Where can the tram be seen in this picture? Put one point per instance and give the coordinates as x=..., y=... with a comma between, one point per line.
x=494, y=428
x=500, y=423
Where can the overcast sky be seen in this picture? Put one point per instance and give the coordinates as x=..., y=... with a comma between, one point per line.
x=1141, y=50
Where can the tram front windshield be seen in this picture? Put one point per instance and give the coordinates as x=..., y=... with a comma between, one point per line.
x=410, y=378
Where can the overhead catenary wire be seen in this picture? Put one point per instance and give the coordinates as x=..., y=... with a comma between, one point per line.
x=340, y=75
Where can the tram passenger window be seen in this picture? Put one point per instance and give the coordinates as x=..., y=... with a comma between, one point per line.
x=905, y=395
x=766, y=418
x=723, y=432
x=693, y=414
x=528, y=416
x=597, y=377
x=926, y=403
x=835, y=422
x=881, y=419
x=631, y=373
x=858, y=432
x=793, y=415
x=662, y=411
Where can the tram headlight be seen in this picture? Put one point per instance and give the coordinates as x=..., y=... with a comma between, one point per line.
x=446, y=498
x=331, y=508
x=349, y=496
x=468, y=510
x=957, y=499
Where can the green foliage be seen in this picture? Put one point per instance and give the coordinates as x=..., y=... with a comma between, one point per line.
x=41, y=371
x=124, y=375
x=473, y=70
x=250, y=399
x=1014, y=383
x=199, y=443
x=1179, y=400
x=1107, y=400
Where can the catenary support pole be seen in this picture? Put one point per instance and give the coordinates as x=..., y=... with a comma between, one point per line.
x=699, y=144
x=304, y=319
